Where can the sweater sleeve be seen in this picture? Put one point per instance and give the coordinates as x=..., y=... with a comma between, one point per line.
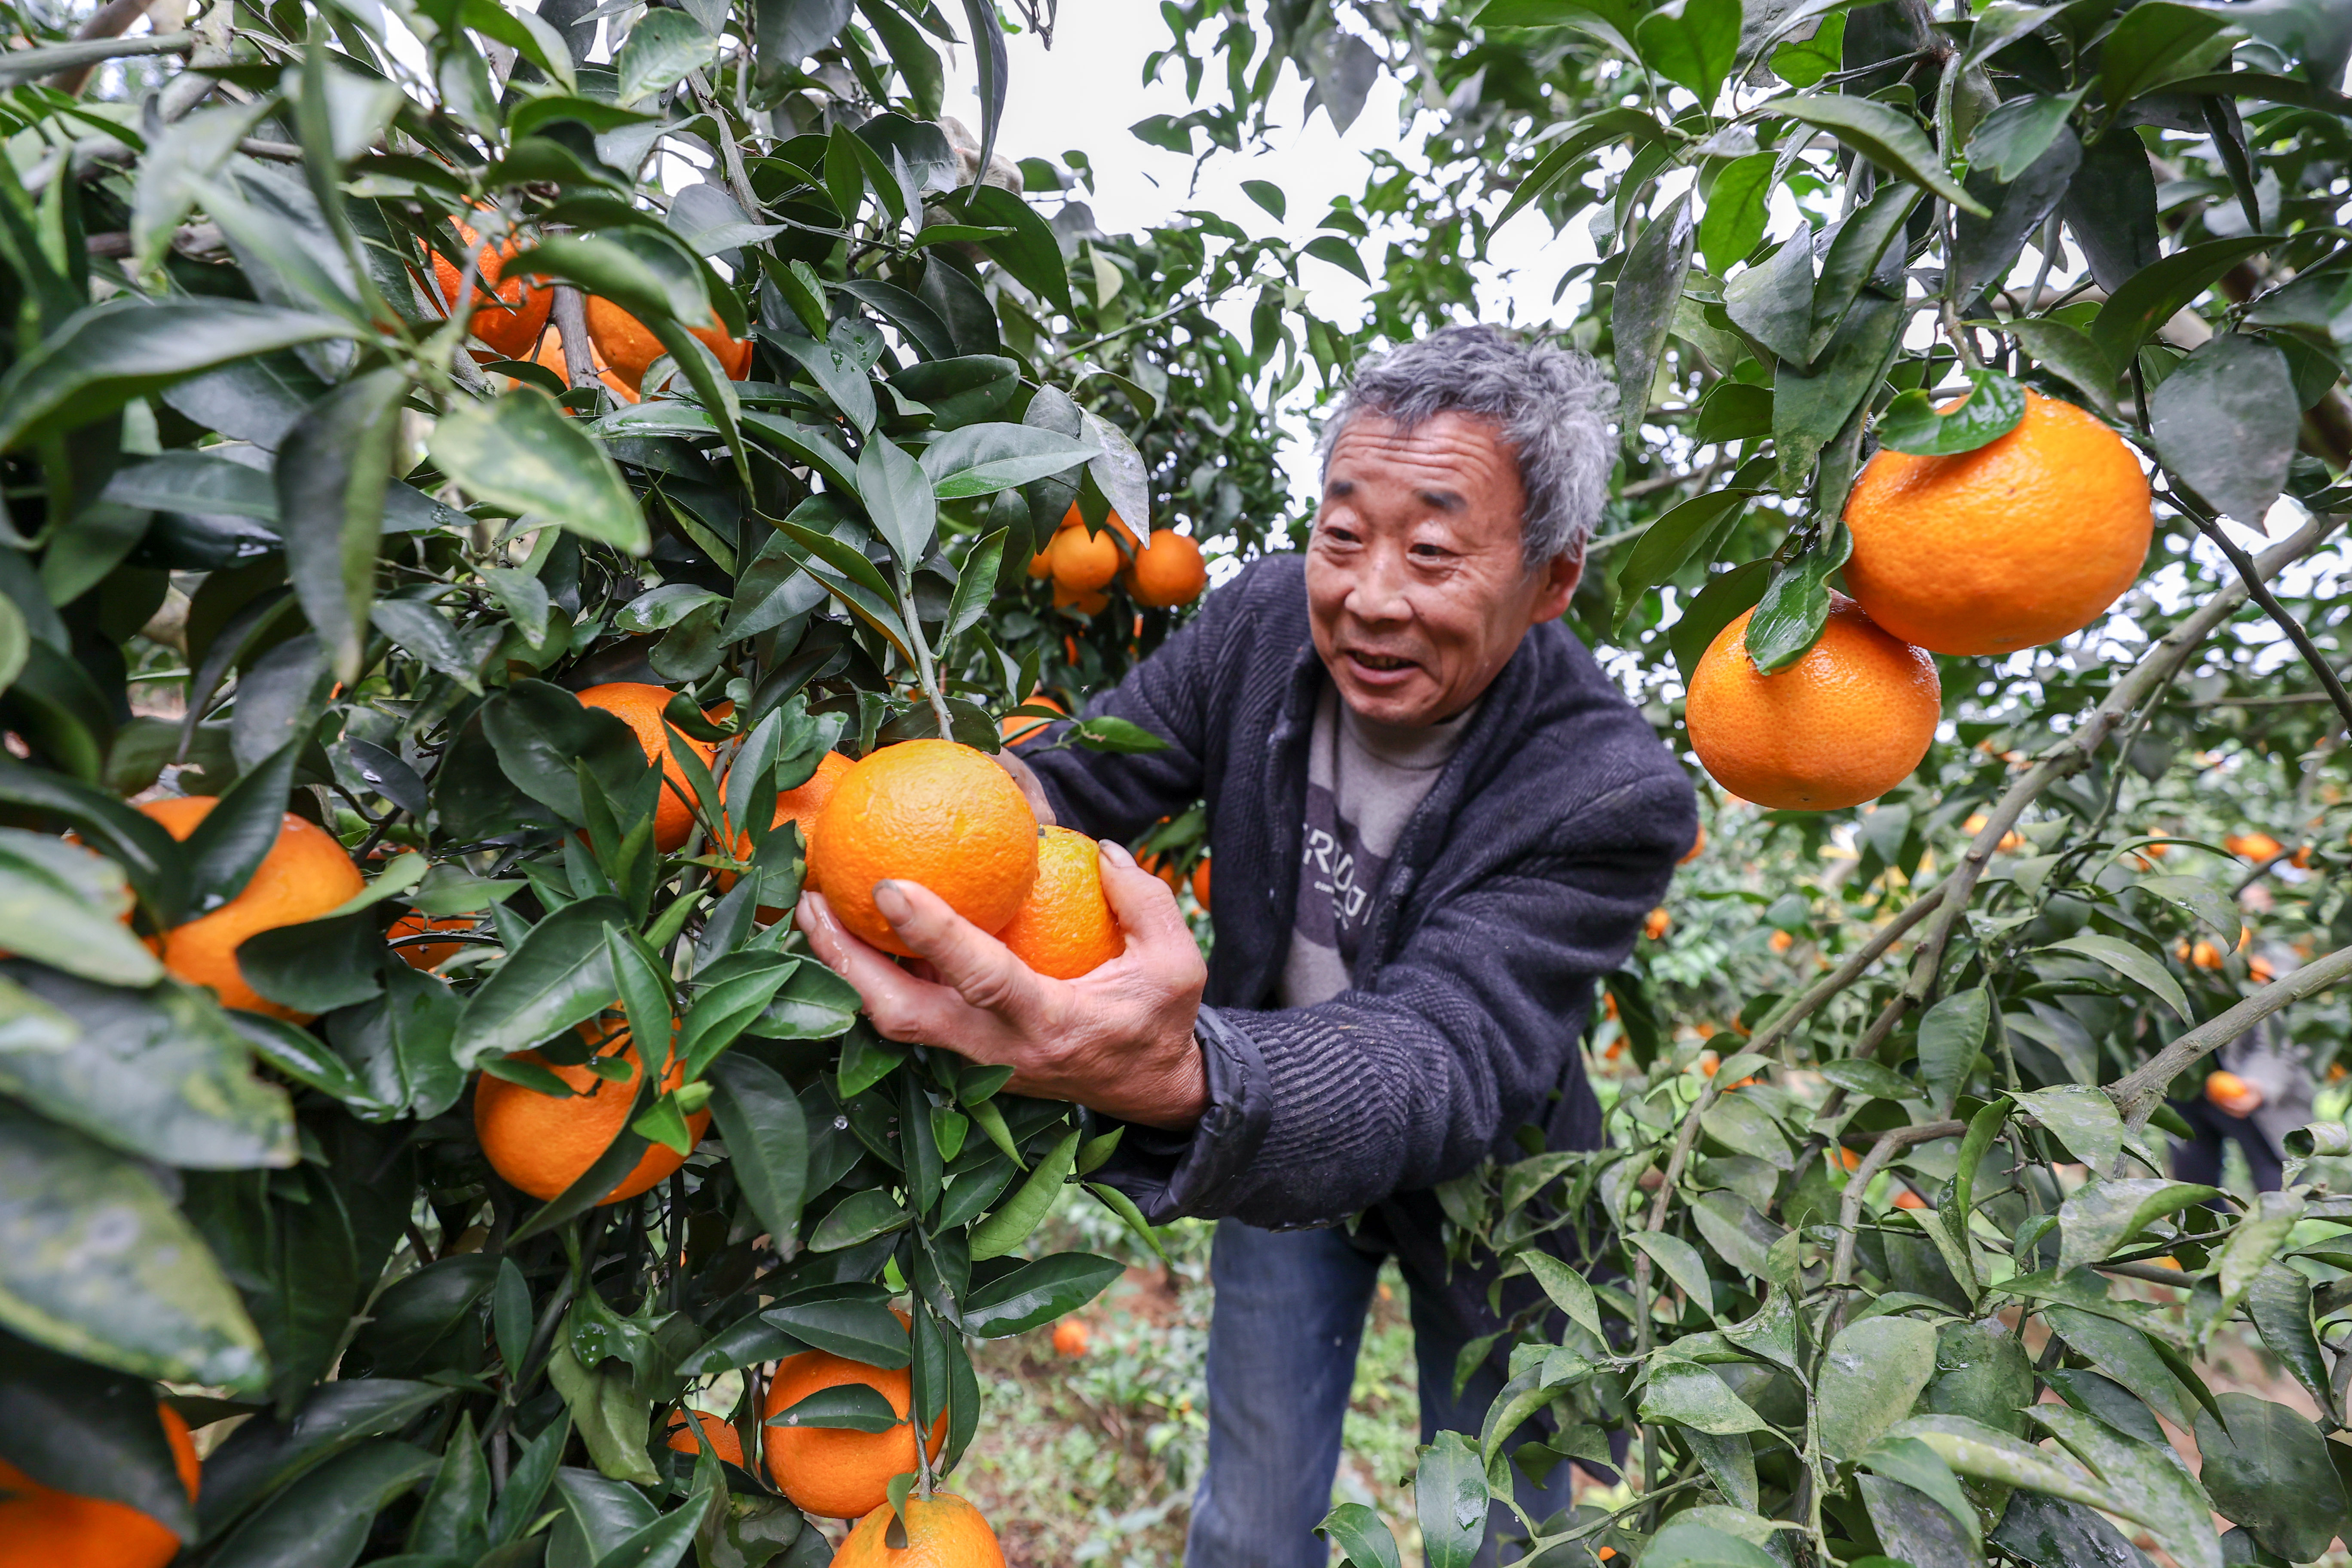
x=1173, y=694
x=1317, y=1113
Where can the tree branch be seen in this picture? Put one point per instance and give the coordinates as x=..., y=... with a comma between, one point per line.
x=2137, y=1092
x=2276, y=611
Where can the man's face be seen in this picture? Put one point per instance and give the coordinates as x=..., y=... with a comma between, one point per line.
x=1416, y=586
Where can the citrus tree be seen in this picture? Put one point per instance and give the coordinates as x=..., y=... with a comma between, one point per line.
x=473, y=476
x=1885, y=1260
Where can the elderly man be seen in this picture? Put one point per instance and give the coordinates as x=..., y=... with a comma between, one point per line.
x=1436, y=822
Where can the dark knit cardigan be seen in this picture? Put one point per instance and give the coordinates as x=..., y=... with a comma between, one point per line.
x=1524, y=874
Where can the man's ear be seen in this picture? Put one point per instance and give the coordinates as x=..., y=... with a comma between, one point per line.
x=1559, y=577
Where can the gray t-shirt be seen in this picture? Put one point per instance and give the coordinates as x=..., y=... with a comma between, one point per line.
x=1363, y=780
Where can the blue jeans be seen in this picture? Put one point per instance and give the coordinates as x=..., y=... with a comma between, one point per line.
x=1282, y=1356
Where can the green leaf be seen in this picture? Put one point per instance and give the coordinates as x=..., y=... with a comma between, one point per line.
x=545, y=738
x=835, y=371
x=519, y=452
x=1450, y=1496
x=2133, y=965
x=1681, y=1263
x=1568, y=1291
x=1884, y=135
x=2101, y=1215
x=1360, y=1534
x=2015, y=135
x=981, y=459
x=850, y=1406
x=1684, y=1544
x=2202, y=901
x=2068, y=353
x=1689, y=1395
x=2279, y=1303
x=858, y=1218
x=89, y=1431
x=898, y=496
x=663, y=48
x=2225, y=422
x=1690, y=528
x=814, y=1004
x=2151, y=296
x=1104, y=733
x=323, y=1519
x=229, y=844
x=108, y=353
x=1267, y=195
x=1734, y=220
x=1976, y=1450
x=159, y=1074
x=1031, y=253
x=1990, y=410
x=612, y=1421
x=559, y=977
x=1642, y=309
x=64, y=906
x=1918, y=1467
x=1803, y=62
x=267, y=1452
x=1870, y=1079
x=1721, y=601
x=1037, y=1293
x=1809, y=408
x=1691, y=43
x=1951, y=1035
x=96, y=1262
x=1795, y=606
x=2084, y=1119
x=2269, y=1470
x=1859, y=256
x=1010, y=1226
x=861, y=1331
x=2150, y=1484
x=2157, y=42
x=1869, y=1376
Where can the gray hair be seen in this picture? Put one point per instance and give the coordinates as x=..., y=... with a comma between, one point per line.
x=1552, y=404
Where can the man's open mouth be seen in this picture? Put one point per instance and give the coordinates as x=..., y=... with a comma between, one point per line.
x=1379, y=660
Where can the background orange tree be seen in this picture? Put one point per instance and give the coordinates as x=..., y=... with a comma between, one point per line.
x=1919, y=1141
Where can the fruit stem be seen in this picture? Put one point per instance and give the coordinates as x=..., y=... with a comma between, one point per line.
x=926, y=672
x=570, y=314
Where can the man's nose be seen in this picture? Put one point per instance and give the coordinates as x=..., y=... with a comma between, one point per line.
x=1381, y=589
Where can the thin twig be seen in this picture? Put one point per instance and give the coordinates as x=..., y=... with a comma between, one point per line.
x=570, y=313
x=1883, y=1149
x=2273, y=608
x=2137, y=1092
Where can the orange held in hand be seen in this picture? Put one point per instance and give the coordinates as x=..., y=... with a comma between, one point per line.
x=2020, y=541
x=542, y=1143
x=41, y=1527
x=1168, y=571
x=640, y=707
x=304, y=874
x=1063, y=929
x=630, y=347
x=1843, y=724
x=725, y=1441
x=508, y=312
x=1019, y=728
x=932, y=812
x=1201, y=883
x=2232, y=1094
x=942, y=1532
x=835, y=1470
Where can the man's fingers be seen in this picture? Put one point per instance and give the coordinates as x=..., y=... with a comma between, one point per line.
x=1145, y=906
x=979, y=968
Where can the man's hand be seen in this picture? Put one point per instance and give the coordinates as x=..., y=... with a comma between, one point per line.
x=1119, y=1040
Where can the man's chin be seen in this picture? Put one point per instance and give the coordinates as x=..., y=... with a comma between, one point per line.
x=1411, y=701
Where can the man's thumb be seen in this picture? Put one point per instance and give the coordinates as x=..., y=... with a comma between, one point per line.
x=1143, y=904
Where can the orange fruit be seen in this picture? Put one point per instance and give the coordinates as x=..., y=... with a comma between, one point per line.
x=2205, y=955
x=2233, y=1093
x=1041, y=565
x=1083, y=563
x=426, y=955
x=1019, y=729
x=541, y=1144
x=1072, y=1337
x=1781, y=942
x=640, y=707
x=2253, y=845
x=1085, y=601
x=551, y=354
x=508, y=312
x=942, y=1532
x=1063, y=927
x=631, y=348
x=835, y=1470
x=41, y=1527
x=1168, y=571
x=1201, y=883
x=724, y=1439
x=1163, y=866
x=932, y=812
x=1698, y=847
x=304, y=874
x=799, y=807
x=1905, y=1198
x=1656, y=923
x=2020, y=541
x=1843, y=724
x=1112, y=522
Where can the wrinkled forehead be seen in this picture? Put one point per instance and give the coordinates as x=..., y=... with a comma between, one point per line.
x=1451, y=463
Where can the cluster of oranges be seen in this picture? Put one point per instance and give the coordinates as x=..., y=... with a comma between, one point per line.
x=1951, y=555
x=1160, y=572
x=41, y=1527
x=510, y=317
x=933, y=811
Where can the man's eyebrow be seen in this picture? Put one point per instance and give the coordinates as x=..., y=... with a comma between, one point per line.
x=1441, y=500
x=1340, y=487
